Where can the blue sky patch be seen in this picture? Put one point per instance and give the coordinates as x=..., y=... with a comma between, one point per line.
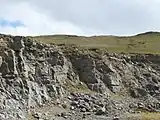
x=9, y=23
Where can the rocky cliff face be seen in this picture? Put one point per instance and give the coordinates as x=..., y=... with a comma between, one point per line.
x=33, y=75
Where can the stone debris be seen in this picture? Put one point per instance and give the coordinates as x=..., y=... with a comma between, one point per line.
x=86, y=85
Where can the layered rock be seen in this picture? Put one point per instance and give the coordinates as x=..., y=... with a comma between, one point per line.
x=32, y=74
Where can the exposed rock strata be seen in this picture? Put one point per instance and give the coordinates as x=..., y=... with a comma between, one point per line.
x=33, y=74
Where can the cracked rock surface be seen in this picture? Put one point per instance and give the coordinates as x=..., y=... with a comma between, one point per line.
x=57, y=82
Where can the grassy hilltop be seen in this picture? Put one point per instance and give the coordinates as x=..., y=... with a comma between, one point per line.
x=142, y=43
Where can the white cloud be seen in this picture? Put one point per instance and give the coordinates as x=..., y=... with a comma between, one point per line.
x=82, y=17
x=35, y=23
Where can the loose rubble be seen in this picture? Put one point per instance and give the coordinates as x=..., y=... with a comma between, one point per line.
x=51, y=82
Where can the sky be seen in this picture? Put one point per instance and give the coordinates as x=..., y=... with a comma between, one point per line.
x=79, y=17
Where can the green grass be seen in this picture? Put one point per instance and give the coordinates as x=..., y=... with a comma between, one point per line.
x=143, y=116
x=142, y=43
x=150, y=116
x=76, y=87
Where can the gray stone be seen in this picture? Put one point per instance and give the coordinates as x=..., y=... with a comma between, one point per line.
x=101, y=111
x=34, y=74
x=64, y=115
x=37, y=115
x=116, y=118
x=83, y=110
x=72, y=108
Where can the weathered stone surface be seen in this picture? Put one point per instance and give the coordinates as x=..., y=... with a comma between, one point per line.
x=33, y=74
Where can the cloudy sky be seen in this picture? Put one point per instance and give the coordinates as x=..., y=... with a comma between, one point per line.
x=80, y=17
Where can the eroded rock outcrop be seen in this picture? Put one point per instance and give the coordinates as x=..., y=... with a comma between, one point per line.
x=33, y=74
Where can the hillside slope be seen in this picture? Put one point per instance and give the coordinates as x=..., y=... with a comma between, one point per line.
x=57, y=82
x=142, y=43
